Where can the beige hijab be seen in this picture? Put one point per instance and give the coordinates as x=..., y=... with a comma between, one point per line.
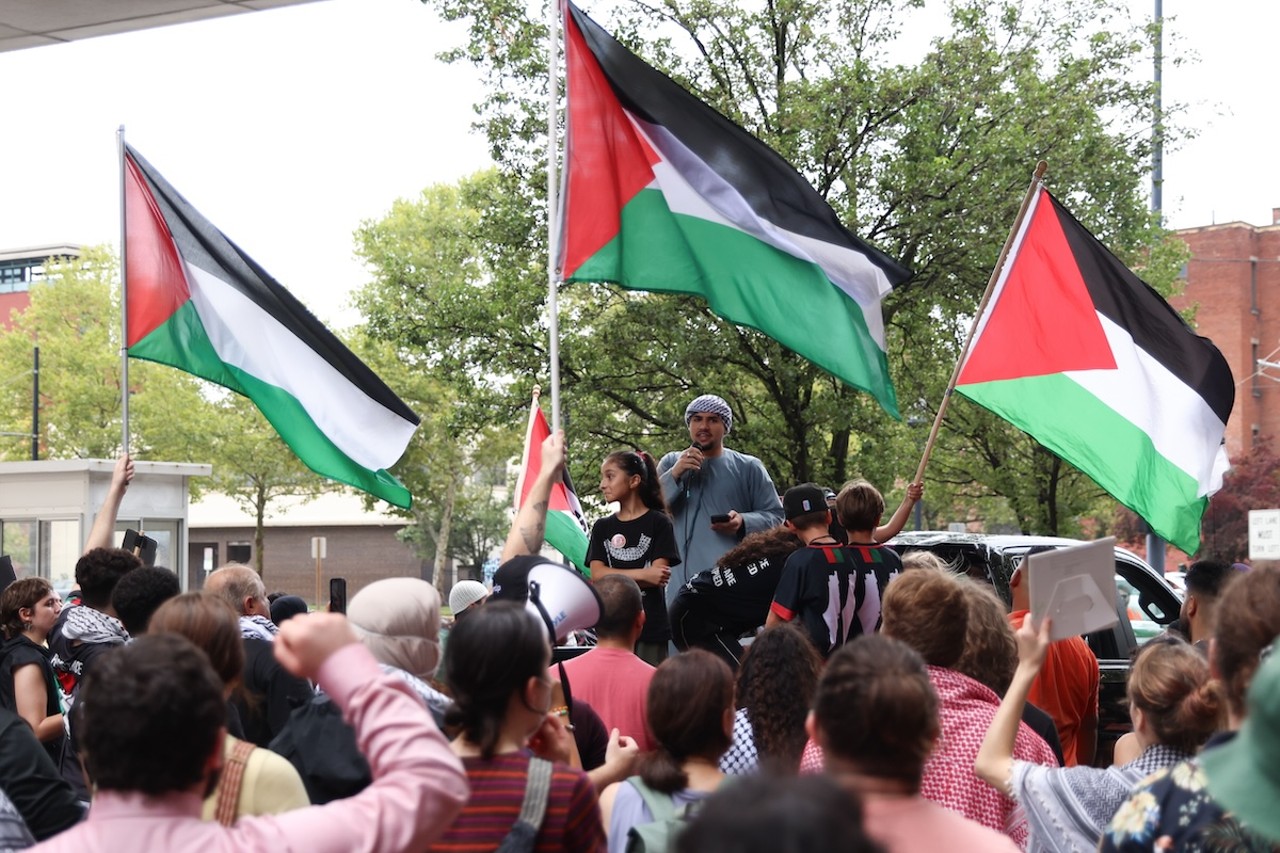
x=398, y=619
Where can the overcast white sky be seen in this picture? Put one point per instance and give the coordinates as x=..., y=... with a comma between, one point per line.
x=288, y=128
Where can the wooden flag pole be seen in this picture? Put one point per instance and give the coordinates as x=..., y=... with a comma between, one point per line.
x=124, y=303
x=1036, y=179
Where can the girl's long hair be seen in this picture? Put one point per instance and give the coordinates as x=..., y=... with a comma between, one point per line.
x=490, y=656
x=688, y=699
x=640, y=464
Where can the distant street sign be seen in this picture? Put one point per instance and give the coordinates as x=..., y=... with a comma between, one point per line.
x=1264, y=534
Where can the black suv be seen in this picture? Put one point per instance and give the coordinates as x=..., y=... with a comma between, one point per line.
x=1146, y=604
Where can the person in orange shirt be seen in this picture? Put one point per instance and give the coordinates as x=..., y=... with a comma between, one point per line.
x=1067, y=686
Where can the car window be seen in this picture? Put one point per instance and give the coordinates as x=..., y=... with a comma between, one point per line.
x=1150, y=605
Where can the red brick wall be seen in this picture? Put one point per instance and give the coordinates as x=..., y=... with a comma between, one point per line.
x=360, y=554
x=1234, y=310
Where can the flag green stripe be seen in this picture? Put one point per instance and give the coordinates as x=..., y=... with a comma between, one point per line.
x=1060, y=414
x=181, y=342
x=564, y=534
x=747, y=282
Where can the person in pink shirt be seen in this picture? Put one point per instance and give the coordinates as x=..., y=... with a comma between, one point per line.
x=151, y=722
x=876, y=717
x=610, y=677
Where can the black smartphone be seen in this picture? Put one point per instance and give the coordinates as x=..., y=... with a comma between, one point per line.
x=141, y=546
x=719, y=519
x=337, y=595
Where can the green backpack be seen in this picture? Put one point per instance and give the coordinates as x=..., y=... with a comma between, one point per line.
x=669, y=820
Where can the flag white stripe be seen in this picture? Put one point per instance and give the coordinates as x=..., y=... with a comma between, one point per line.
x=1182, y=427
x=248, y=338
x=692, y=188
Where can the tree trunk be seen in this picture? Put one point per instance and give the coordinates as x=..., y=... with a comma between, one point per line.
x=260, y=505
x=442, y=541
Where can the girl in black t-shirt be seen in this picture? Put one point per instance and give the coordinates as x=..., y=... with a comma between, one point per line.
x=637, y=539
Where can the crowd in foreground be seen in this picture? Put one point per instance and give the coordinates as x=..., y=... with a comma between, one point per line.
x=884, y=709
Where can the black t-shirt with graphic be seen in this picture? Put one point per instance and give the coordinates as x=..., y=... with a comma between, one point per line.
x=635, y=544
x=834, y=591
x=736, y=598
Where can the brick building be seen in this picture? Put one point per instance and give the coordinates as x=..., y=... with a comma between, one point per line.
x=21, y=268
x=1233, y=280
x=361, y=545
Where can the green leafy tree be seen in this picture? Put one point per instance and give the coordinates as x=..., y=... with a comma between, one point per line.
x=253, y=466
x=74, y=317
x=928, y=160
x=453, y=464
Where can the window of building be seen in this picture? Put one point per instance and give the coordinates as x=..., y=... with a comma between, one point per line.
x=239, y=552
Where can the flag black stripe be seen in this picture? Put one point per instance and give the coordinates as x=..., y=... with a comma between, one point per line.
x=771, y=186
x=1133, y=305
x=204, y=246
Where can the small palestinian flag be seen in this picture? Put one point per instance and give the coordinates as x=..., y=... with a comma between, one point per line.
x=196, y=302
x=566, y=525
x=663, y=193
x=1084, y=356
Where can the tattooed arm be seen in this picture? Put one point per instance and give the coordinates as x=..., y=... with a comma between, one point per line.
x=528, y=529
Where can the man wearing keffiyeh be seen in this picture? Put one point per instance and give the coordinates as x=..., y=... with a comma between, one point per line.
x=716, y=495
x=273, y=692
x=87, y=629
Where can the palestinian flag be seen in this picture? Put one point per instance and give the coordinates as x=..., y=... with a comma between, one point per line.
x=196, y=302
x=566, y=525
x=1084, y=356
x=663, y=193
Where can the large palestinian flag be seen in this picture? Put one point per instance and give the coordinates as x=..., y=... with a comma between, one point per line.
x=1079, y=352
x=566, y=526
x=663, y=193
x=196, y=302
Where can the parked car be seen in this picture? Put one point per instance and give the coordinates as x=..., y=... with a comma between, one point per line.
x=1146, y=604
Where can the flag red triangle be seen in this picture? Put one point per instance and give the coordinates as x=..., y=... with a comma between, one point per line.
x=538, y=432
x=607, y=161
x=155, y=278
x=1043, y=320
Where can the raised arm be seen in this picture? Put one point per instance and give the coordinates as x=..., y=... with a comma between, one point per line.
x=419, y=785
x=530, y=525
x=994, y=764
x=102, y=534
x=915, y=491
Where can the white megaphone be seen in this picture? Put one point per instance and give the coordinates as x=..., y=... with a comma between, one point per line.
x=563, y=599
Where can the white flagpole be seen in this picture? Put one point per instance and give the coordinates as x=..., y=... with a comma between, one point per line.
x=124, y=303
x=553, y=206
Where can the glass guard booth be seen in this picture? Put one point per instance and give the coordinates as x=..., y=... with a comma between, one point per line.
x=47, y=509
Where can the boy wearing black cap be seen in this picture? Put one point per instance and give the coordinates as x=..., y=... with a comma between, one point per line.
x=833, y=590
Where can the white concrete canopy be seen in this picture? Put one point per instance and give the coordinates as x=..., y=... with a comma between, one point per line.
x=47, y=509
x=33, y=23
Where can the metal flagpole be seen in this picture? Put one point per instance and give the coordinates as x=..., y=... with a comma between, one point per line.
x=124, y=302
x=553, y=206
x=1036, y=179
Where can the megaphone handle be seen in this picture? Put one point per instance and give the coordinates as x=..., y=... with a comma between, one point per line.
x=564, y=686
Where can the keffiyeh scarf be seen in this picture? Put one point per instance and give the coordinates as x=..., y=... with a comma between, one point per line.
x=258, y=628
x=93, y=626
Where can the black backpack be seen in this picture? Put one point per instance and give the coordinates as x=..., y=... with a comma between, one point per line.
x=322, y=748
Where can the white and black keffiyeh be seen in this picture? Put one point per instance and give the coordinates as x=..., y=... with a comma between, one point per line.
x=741, y=759
x=258, y=628
x=713, y=404
x=86, y=625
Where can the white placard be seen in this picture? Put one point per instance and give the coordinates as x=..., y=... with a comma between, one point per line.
x=1264, y=534
x=1075, y=586
x=319, y=547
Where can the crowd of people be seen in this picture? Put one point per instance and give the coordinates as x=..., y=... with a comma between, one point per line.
x=767, y=674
